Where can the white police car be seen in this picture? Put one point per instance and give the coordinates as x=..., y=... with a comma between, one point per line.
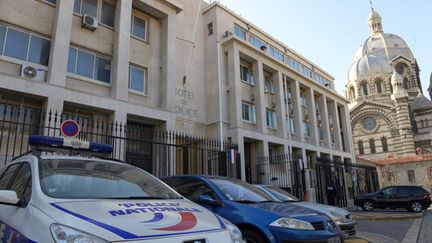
x=63, y=198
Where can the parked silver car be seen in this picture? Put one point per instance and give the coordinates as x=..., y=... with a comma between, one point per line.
x=342, y=217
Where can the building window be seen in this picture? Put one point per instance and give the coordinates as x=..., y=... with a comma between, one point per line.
x=405, y=83
x=137, y=79
x=24, y=46
x=276, y=54
x=291, y=124
x=379, y=86
x=258, y=43
x=89, y=65
x=365, y=88
x=372, y=145
x=269, y=86
x=360, y=147
x=303, y=99
x=384, y=144
x=51, y=1
x=271, y=119
x=139, y=28
x=88, y=7
x=352, y=93
x=246, y=74
x=210, y=28
x=411, y=175
x=248, y=112
x=108, y=14
x=306, y=131
x=240, y=32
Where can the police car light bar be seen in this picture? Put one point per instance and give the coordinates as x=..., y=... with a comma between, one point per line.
x=52, y=143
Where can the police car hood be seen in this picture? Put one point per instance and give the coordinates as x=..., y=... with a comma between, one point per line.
x=116, y=220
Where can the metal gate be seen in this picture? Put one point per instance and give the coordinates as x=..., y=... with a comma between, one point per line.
x=159, y=152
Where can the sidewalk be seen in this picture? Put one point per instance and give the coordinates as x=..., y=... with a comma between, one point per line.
x=385, y=215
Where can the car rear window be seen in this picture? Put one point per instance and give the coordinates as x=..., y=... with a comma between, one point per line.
x=412, y=190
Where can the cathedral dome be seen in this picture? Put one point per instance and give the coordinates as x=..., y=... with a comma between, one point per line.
x=377, y=52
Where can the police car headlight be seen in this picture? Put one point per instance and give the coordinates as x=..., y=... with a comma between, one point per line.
x=338, y=218
x=235, y=232
x=292, y=224
x=65, y=234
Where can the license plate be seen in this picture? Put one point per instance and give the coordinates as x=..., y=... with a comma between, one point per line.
x=334, y=240
x=196, y=241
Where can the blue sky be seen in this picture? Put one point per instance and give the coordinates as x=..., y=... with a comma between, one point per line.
x=328, y=32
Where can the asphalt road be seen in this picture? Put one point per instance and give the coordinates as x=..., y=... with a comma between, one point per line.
x=395, y=229
x=425, y=235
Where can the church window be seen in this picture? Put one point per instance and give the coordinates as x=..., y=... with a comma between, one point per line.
x=372, y=145
x=391, y=87
x=379, y=86
x=351, y=93
x=384, y=144
x=365, y=89
x=430, y=173
x=360, y=147
x=400, y=68
x=405, y=83
x=411, y=175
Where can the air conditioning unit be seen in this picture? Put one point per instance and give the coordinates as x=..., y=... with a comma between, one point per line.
x=252, y=97
x=289, y=101
x=33, y=73
x=89, y=22
x=266, y=89
x=273, y=104
x=263, y=47
x=226, y=34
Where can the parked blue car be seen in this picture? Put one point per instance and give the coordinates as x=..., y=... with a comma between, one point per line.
x=260, y=218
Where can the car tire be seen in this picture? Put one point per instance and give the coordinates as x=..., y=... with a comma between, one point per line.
x=368, y=206
x=416, y=207
x=253, y=236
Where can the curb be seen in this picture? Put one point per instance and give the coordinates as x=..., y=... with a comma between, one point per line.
x=373, y=216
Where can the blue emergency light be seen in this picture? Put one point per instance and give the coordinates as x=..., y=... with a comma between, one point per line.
x=52, y=144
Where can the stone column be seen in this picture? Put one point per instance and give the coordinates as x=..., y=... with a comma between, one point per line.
x=344, y=115
x=234, y=84
x=298, y=113
x=338, y=138
x=60, y=43
x=310, y=95
x=260, y=99
x=119, y=119
x=168, y=60
x=282, y=129
x=120, y=61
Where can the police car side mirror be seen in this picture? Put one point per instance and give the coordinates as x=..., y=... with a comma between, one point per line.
x=9, y=197
x=205, y=199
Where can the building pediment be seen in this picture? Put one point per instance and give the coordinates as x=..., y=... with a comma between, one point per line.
x=370, y=108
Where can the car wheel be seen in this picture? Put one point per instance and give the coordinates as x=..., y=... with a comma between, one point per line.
x=368, y=206
x=253, y=236
x=416, y=207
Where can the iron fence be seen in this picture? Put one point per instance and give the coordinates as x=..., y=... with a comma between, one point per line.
x=157, y=151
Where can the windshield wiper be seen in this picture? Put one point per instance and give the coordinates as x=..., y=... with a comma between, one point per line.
x=250, y=202
x=140, y=197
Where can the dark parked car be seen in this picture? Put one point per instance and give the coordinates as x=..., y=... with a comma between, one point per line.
x=260, y=218
x=413, y=198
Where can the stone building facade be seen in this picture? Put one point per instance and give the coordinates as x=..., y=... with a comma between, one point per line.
x=390, y=116
x=181, y=65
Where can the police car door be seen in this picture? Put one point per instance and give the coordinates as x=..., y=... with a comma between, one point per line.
x=13, y=218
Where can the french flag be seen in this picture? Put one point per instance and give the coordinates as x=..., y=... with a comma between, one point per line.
x=232, y=155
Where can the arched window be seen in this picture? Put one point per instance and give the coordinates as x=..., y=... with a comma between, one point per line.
x=405, y=83
x=365, y=89
x=360, y=147
x=352, y=93
x=430, y=173
x=372, y=145
x=391, y=87
x=384, y=144
x=378, y=84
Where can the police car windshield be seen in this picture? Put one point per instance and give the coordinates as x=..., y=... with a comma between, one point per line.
x=84, y=179
x=242, y=192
